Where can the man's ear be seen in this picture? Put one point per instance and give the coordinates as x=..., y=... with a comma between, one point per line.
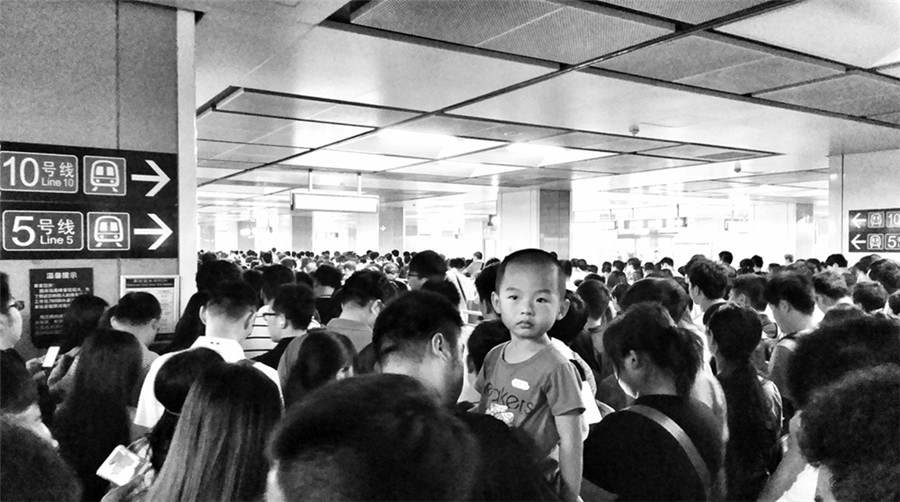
x=376, y=307
x=784, y=306
x=154, y=324
x=563, y=308
x=248, y=320
x=470, y=364
x=633, y=361
x=115, y=323
x=440, y=346
x=203, y=314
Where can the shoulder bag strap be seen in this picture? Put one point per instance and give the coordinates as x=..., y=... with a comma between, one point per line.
x=678, y=433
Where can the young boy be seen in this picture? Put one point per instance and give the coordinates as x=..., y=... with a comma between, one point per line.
x=526, y=382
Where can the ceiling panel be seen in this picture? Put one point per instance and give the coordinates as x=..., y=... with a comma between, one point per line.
x=304, y=134
x=784, y=178
x=259, y=154
x=893, y=118
x=342, y=62
x=296, y=107
x=350, y=161
x=451, y=125
x=623, y=164
x=224, y=164
x=275, y=176
x=893, y=71
x=576, y=34
x=853, y=94
x=706, y=153
x=412, y=144
x=848, y=31
x=767, y=73
x=223, y=126
x=467, y=23
x=207, y=149
x=606, y=142
x=531, y=155
x=455, y=169
x=688, y=11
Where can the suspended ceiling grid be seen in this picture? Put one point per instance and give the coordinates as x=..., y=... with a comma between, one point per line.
x=455, y=96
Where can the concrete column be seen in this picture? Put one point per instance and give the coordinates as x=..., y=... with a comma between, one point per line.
x=103, y=74
x=301, y=232
x=390, y=236
x=534, y=218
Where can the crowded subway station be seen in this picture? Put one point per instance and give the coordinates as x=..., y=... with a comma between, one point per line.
x=555, y=250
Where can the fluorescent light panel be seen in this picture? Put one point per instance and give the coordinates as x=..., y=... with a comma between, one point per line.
x=335, y=202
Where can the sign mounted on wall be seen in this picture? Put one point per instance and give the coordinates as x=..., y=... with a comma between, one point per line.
x=52, y=290
x=66, y=202
x=874, y=230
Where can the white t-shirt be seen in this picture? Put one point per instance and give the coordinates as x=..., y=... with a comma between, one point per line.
x=149, y=409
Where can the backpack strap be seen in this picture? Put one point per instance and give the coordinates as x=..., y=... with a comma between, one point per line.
x=678, y=433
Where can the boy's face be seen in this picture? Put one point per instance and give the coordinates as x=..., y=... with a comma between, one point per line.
x=528, y=300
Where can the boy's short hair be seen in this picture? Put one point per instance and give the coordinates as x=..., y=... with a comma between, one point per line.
x=428, y=264
x=752, y=285
x=484, y=337
x=297, y=303
x=328, y=275
x=851, y=427
x=232, y=299
x=710, y=277
x=794, y=288
x=274, y=276
x=831, y=283
x=138, y=308
x=830, y=352
x=373, y=437
x=486, y=283
x=533, y=258
x=410, y=321
x=366, y=286
x=871, y=296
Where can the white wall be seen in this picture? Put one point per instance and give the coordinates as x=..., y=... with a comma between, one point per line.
x=519, y=225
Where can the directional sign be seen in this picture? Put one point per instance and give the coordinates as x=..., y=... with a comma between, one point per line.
x=111, y=203
x=874, y=230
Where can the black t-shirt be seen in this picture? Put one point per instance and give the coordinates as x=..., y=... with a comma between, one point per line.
x=506, y=473
x=634, y=457
x=272, y=357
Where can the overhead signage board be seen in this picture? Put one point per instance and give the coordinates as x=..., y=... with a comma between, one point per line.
x=874, y=230
x=65, y=202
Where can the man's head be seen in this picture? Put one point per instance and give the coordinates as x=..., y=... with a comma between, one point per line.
x=887, y=273
x=485, y=284
x=836, y=260
x=425, y=266
x=830, y=287
x=749, y=290
x=726, y=257
x=530, y=293
x=213, y=272
x=327, y=276
x=19, y=397
x=869, y=296
x=230, y=311
x=792, y=298
x=418, y=335
x=373, y=437
x=292, y=310
x=666, y=292
x=32, y=469
x=735, y=332
x=458, y=263
x=708, y=281
x=851, y=430
x=568, y=328
x=138, y=313
x=365, y=293
x=274, y=276
x=830, y=352
x=10, y=317
x=477, y=255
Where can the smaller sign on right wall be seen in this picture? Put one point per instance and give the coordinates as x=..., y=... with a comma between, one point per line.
x=874, y=230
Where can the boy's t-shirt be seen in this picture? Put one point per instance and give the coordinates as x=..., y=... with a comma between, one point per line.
x=526, y=396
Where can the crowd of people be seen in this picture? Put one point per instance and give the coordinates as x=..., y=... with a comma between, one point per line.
x=414, y=376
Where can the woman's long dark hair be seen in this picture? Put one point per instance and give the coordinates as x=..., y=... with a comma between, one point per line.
x=81, y=318
x=322, y=355
x=173, y=382
x=737, y=331
x=94, y=418
x=218, y=451
x=648, y=328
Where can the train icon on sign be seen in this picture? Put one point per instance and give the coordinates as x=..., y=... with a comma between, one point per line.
x=104, y=176
x=108, y=231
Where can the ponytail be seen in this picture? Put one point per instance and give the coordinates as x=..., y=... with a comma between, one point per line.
x=684, y=358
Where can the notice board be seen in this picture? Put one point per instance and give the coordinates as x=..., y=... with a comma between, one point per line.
x=164, y=288
x=51, y=291
x=67, y=202
x=874, y=230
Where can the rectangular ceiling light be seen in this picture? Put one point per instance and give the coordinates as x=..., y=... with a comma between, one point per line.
x=336, y=202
